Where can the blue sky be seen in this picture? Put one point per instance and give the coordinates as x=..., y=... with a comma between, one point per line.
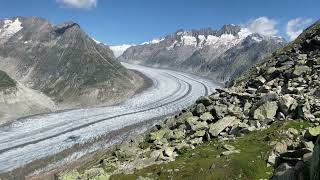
x=135, y=21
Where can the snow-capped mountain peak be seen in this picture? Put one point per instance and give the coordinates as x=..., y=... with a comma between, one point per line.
x=8, y=28
x=205, y=50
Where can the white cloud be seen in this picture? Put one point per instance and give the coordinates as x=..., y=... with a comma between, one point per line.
x=79, y=4
x=264, y=26
x=296, y=26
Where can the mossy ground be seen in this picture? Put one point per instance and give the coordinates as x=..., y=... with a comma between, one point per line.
x=205, y=161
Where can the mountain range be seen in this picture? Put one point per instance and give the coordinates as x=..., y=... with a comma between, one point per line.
x=57, y=67
x=218, y=54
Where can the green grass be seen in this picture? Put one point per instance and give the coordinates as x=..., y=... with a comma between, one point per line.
x=205, y=162
x=6, y=81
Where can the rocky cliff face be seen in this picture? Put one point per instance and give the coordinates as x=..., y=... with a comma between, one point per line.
x=220, y=55
x=283, y=89
x=62, y=62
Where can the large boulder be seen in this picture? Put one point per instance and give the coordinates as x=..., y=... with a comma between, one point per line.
x=267, y=110
x=157, y=135
x=300, y=70
x=287, y=104
x=178, y=134
x=216, y=128
x=204, y=100
x=183, y=117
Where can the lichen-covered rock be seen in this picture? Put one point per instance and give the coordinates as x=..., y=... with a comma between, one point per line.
x=207, y=116
x=200, y=108
x=178, y=134
x=157, y=135
x=183, y=117
x=300, y=70
x=216, y=128
x=200, y=133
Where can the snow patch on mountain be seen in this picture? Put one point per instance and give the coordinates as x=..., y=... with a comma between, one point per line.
x=189, y=40
x=119, y=50
x=154, y=41
x=9, y=28
x=98, y=42
x=225, y=40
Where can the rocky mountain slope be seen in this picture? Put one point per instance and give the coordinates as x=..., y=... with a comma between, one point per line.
x=219, y=55
x=63, y=63
x=266, y=125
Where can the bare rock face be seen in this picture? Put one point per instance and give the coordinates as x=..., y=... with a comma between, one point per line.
x=62, y=62
x=220, y=55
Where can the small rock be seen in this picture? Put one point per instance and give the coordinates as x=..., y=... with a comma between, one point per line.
x=227, y=153
x=204, y=100
x=228, y=147
x=272, y=159
x=206, y=116
x=280, y=148
x=200, y=133
x=293, y=131
x=168, y=151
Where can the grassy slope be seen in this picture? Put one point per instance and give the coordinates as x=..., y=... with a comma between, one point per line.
x=6, y=81
x=205, y=162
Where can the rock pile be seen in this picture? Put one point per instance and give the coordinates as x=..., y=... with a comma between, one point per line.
x=285, y=87
x=298, y=156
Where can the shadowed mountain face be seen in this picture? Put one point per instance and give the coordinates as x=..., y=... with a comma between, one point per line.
x=62, y=62
x=220, y=55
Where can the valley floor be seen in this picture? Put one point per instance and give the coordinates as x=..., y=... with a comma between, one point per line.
x=25, y=147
